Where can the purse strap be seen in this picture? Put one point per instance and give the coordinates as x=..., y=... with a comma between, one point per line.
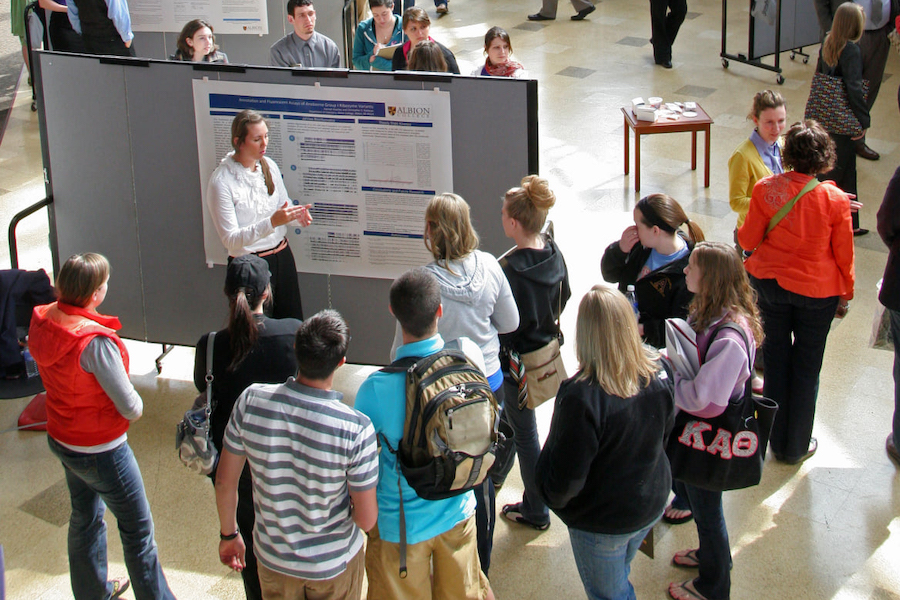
x=784, y=210
x=748, y=385
x=210, y=342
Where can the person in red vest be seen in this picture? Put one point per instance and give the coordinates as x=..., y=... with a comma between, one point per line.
x=90, y=404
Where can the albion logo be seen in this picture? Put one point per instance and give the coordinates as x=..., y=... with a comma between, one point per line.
x=744, y=444
x=410, y=112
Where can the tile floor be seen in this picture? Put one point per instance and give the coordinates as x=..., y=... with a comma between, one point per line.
x=826, y=529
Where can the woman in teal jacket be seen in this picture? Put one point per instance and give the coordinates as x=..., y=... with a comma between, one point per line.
x=383, y=29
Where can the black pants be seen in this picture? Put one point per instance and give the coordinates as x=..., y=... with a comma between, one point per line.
x=245, y=520
x=666, y=17
x=285, y=285
x=844, y=171
x=112, y=46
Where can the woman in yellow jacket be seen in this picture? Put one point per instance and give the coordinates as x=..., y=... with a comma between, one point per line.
x=759, y=155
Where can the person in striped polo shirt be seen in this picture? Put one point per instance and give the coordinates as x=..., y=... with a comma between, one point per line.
x=314, y=463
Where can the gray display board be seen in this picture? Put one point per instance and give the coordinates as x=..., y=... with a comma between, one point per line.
x=121, y=154
x=799, y=28
x=249, y=49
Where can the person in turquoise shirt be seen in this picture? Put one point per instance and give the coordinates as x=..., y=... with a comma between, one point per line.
x=383, y=29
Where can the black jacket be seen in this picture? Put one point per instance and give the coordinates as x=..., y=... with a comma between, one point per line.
x=661, y=295
x=604, y=468
x=889, y=230
x=535, y=277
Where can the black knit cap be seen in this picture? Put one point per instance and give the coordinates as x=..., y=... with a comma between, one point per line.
x=249, y=272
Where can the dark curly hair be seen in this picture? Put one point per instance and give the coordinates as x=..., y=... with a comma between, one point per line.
x=808, y=149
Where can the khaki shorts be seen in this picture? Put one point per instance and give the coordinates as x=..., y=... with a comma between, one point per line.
x=278, y=586
x=452, y=557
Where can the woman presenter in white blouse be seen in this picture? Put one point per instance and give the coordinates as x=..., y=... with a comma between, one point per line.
x=250, y=209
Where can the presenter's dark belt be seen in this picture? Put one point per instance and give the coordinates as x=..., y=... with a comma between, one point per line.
x=274, y=250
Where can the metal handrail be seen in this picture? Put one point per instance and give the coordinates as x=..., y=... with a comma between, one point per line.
x=13, y=248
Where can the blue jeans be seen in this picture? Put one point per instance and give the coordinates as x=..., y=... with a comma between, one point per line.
x=486, y=510
x=528, y=448
x=604, y=562
x=796, y=329
x=714, y=554
x=112, y=479
x=895, y=334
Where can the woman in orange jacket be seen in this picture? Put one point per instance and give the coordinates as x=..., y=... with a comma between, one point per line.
x=803, y=273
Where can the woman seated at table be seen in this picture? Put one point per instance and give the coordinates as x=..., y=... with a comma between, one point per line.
x=197, y=43
x=416, y=27
x=250, y=209
x=381, y=31
x=498, y=48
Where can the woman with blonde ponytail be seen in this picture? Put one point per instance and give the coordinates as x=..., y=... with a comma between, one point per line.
x=252, y=349
x=537, y=274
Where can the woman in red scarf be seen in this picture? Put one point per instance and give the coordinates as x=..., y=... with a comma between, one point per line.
x=498, y=48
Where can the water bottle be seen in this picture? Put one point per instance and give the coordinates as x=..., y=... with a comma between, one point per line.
x=30, y=366
x=632, y=299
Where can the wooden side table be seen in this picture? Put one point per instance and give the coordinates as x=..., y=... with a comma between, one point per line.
x=693, y=124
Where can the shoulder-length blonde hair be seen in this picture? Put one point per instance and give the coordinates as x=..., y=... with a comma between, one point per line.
x=449, y=234
x=724, y=286
x=848, y=26
x=608, y=346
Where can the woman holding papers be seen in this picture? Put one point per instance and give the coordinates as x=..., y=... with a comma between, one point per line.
x=803, y=272
x=250, y=209
x=372, y=35
x=722, y=293
x=603, y=469
x=651, y=256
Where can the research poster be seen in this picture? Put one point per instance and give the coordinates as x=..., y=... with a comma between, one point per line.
x=368, y=161
x=225, y=16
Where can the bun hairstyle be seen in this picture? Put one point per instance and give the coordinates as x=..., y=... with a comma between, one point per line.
x=449, y=234
x=660, y=210
x=765, y=100
x=240, y=126
x=808, y=149
x=530, y=203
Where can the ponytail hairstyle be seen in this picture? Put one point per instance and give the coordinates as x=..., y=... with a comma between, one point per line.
x=449, y=234
x=530, y=203
x=848, y=26
x=660, y=210
x=724, y=286
x=242, y=327
x=239, y=129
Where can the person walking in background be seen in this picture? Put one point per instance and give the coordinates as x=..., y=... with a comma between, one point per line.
x=548, y=10
x=841, y=57
x=874, y=47
x=666, y=17
x=604, y=469
x=90, y=406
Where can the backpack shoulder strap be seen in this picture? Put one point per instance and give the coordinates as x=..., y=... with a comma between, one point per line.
x=401, y=365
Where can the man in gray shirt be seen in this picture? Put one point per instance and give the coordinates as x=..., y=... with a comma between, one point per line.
x=304, y=47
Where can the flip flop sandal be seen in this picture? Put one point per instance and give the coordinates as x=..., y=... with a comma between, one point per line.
x=681, y=591
x=513, y=512
x=677, y=520
x=686, y=559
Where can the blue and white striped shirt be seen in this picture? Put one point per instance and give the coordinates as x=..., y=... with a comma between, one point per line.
x=306, y=451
